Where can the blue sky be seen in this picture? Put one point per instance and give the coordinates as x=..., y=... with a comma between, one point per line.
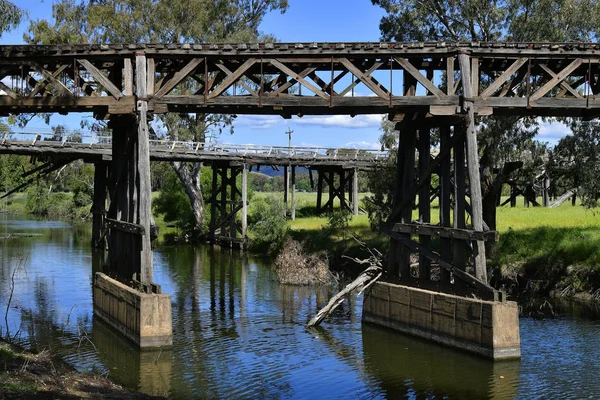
x=305, y=21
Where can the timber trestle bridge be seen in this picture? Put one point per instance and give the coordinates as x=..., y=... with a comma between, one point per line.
x=228, y=161
x=423, y=87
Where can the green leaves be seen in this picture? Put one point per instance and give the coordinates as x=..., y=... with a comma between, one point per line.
x=10, y=16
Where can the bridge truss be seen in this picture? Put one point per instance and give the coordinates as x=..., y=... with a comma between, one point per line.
x=422, y=86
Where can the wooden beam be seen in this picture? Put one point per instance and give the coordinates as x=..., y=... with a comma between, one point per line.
x=408, y=67
x=125, y=226
x=101, y=79
x=365, y=79
x=298, y=78
x=178, y=77
x=444, y=232
x=556, y=79
x=232, y=77
x=490, y=90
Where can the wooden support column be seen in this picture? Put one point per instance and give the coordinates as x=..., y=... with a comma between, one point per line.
x=143, y=153
x=459, y=251
x=445, y=187
x=513, y=195
x=355, y=192
x=286, y=189
x=245, y=203
x=213, y=204
x=341, y=192
x=320, y=173
x=473, y=163
x=408, y=183
x=99, y=205
x=424, y=204
x=293, y=213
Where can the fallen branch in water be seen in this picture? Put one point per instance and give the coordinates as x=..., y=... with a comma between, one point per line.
x=364, y=280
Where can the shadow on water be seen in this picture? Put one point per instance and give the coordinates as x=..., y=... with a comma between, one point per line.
x=410, y=367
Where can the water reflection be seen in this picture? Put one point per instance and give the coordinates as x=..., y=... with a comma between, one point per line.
x=150, y=371
x=239, y=334
x=410, y=367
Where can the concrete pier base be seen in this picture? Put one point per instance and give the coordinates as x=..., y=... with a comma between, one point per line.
x=488, y=328
x=143, y=318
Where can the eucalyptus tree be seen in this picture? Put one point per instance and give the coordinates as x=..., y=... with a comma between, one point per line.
x=492, y=20
x=162, y=21
x=10, y=16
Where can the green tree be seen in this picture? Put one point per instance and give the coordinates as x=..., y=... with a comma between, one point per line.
x=166, y=21
x=10, y=16
x=482, y=20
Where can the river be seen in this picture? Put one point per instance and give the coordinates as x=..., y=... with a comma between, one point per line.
x=239, y=334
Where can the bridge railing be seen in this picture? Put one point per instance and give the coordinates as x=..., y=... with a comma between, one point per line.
x=243, y=150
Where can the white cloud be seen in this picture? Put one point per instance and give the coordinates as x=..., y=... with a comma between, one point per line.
x=552, y=132
x=362, y=145
x=259, y=121
x=342, y=121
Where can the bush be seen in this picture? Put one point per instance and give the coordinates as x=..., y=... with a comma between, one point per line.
x=268, y=226
x=294, y=266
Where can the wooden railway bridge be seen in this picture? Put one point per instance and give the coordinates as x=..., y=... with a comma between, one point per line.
x=421, y=86
x=228, y=161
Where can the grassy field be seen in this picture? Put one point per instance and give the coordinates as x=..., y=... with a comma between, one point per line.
x=559, y=246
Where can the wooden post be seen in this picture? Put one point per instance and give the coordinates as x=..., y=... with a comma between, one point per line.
x=319, y=189
x=424, y=205
x=286, y=178
x=99, y=206
x=513, y=195
x=213, y=204
x=445, y=184
x=342, y=190
x=143, y=153
x=293, y=193
x=355, y=192
x=244, y=202
x=459, y=253
x=473, y=163
x=408, y=183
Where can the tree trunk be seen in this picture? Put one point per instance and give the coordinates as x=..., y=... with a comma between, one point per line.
x=190, y=179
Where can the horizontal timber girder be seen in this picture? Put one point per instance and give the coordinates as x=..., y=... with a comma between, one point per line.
x=561, y=79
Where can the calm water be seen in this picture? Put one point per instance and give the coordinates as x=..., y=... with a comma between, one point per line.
x=239, y=334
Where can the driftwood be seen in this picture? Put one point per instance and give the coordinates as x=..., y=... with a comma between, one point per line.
x=364, y=280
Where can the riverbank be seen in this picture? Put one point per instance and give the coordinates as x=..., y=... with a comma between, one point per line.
x=25, y=375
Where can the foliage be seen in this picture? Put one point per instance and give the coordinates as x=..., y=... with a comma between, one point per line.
x=474, y=21
x=41, y=201
x=576, y=161
x=162, y=21
x=10, y=16
x=173, y=203
x=268, y=225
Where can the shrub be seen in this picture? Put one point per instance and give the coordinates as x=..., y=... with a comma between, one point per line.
x=268, y=226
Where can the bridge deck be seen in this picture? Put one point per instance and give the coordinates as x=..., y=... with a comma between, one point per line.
x=304, y=78
x=95, y=148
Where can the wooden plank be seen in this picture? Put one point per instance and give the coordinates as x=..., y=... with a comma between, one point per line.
x=150, y=76
x=475, y=74
x=473, y=166
x=443, y=231
x=42, y=85
x=459, y=220
x=490, y=90
x=556, y=79
x=8, y=91
x=101, y=78
x=355, y=82
x=125, y=226
x=232, y=77
x=244, y=201
x=408, y=193
x=420, y=78
x=178, y=77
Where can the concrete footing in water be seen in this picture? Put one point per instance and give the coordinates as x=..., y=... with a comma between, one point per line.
x=143, y=318
x=487, y=328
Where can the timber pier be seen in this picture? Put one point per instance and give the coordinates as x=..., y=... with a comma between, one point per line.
x=423, y=87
